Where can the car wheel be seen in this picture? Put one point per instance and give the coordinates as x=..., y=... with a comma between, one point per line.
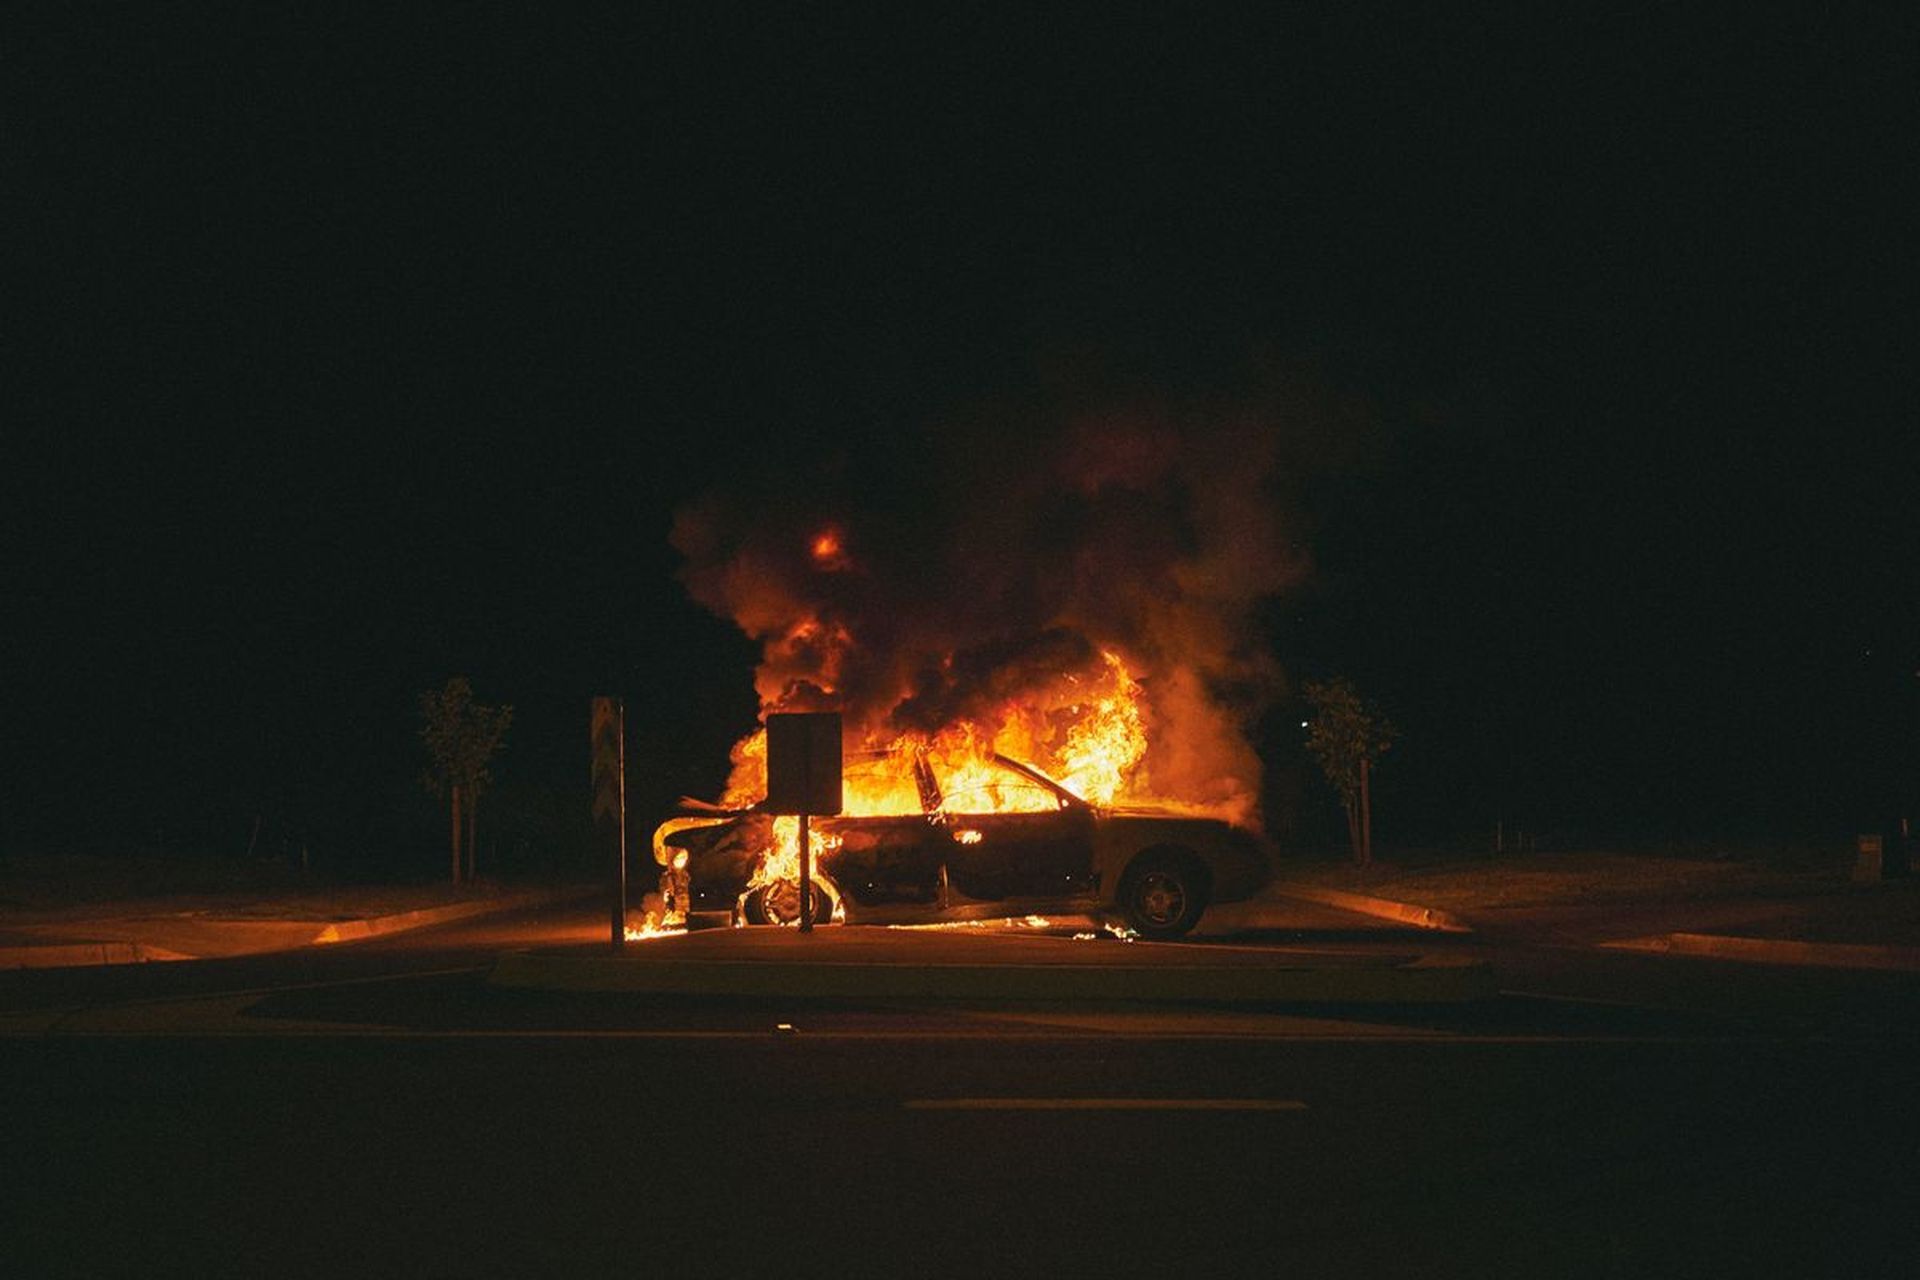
x=1163, y=895
x=780, y=904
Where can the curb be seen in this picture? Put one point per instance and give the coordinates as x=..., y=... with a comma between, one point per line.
x=1384, y=908
x=1419, y=982
x=63, y=955
x=1833, y=955
x=400, y=922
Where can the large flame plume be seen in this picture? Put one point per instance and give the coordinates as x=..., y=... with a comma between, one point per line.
x=1079, y=599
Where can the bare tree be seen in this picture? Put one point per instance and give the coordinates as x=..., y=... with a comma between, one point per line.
x=1346, y=735
x=461, y=736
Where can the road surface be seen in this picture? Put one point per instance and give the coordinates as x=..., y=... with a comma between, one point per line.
x=378, y=1109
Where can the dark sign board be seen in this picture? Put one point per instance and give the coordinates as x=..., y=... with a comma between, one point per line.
x=803, y=763
x=607, y=755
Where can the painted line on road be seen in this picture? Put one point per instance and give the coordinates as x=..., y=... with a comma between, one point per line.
x=390, y=1032
x=1103, y=1104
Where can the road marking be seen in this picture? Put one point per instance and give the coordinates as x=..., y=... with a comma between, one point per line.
x=1103, y=1104
x=386, y=1031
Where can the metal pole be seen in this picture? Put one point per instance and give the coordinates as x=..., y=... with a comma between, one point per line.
x=806, y=878
x=620, y=849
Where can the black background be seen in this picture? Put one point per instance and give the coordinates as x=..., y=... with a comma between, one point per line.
x=344, y=353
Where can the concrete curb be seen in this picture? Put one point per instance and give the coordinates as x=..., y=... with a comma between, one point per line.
x=1423, y=981
x=66, y=955
x=1835, y=955
x=400, y=922
x=1383, y=908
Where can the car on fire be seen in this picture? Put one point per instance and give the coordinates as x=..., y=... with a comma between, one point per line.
x=1016, y=845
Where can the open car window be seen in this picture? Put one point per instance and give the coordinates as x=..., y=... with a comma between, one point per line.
x=903, y=782
x=878, y=782
x=1016, y=795
x=992, y=787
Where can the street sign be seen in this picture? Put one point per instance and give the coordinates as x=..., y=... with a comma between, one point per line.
x=605, y=734
x=803, y=763
x=803, y=779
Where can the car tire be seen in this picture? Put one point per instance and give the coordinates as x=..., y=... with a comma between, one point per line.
x=762, y=905
x=1163, y=894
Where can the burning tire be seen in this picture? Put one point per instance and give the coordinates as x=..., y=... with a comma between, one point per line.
x=1163, y=894
x=779, y=903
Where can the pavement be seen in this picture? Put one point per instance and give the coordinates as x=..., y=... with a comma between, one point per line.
x=127, y=934
x=1300, y=941
x=1263, y=951
x=1820, y=917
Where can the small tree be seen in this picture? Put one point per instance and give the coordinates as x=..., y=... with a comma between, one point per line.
x=461, y=737
x=1346, y=735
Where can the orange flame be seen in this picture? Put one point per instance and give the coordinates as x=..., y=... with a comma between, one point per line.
x=1092, y=743
x=829, y=550
x=1092, y=747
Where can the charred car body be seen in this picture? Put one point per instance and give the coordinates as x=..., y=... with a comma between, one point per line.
x=971, y=853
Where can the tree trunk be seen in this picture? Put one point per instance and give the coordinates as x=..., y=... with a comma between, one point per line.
x=1366, y=817
x=1353, y=830
x=454, y=821
x=473, y=827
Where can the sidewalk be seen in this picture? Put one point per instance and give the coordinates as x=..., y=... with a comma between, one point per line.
x=1805, y=912
x=132, y=932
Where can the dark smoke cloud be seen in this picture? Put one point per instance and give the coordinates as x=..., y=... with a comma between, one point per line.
x=976, y=680
x=997, y=556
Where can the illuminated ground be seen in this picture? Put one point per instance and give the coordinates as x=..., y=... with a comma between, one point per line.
x=379, y=1108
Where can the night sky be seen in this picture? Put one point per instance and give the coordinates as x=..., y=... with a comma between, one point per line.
x=346, y=353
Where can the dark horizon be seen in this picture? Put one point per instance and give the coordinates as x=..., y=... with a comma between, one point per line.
x=347, y=356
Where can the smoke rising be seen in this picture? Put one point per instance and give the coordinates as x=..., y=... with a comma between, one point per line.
x=933, y=580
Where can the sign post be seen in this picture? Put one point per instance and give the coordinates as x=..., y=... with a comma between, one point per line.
x=806, y=877
x=609, y=737
x=803, y=779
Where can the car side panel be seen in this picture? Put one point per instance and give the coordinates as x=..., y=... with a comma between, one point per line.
x=1022, y=856
x=886, y=860
x=1237, y=861
x=721, y=858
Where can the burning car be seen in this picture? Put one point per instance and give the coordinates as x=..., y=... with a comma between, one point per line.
x=982, y=838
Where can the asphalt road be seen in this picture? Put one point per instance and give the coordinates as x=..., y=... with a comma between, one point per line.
x=377, y=1109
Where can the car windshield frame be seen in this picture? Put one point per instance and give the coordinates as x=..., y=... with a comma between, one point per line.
x=1068, y=800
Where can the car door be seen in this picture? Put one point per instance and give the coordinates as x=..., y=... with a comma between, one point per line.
x=886, y=861
x=1034, y=855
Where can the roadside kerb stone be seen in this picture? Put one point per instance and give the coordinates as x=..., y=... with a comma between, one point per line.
x=65, y=955
x=400, y=922
x=86, y=954
x=1426, y=980
x=1383, y=908
x=1836, y=955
